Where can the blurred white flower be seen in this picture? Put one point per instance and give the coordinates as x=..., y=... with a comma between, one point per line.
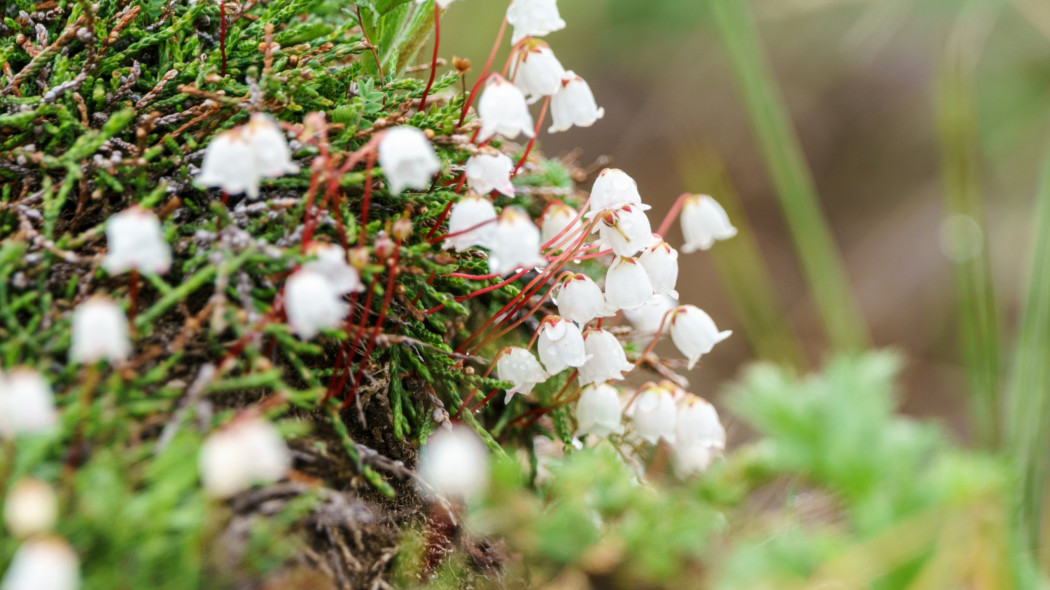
x=136, y=242
x=407, y=158
x=515, y=243
x=560, y=344
x=272, y=156
x=27, y=405
x=574, y=104
x=502, y=109
x=332, y=265
x=607, y=360
x=469, y=212
x=555, y=218
x=646, y=319
x=661, y=265
x=537, y=72
x=580, y=299
x=490, y=172
x=246, y=452
x=312, y=303
x=626, y=231
x=235, y=160
x=704, y=221
x=654, y=413
x=99, y=332
x=694, y=332
x=598, y=411
x=517, y=365
x=626, y=284
x=689, y=460
x=698, y=423
x=455, y=463
x=613, y=189
x=534, y=18
x=30, y=508
x=45, y=563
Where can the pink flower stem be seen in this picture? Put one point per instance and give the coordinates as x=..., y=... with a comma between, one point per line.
x=222, y=35
x=434, y=61
x=498, y=285
x=488, y=397
x=536, y=132
x=672, y=214
x=440, y=220
x=574, y=225
x=309, y=215
x=594, y=255
x=520, y=320
x=462, y=231
x=463, y=275
x=378, y=325
x=366, y=200
x=474, y=390
x=484, y=72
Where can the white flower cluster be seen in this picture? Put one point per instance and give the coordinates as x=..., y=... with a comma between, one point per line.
x=43, y=561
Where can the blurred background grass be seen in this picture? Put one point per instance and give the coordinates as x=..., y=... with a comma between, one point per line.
x=926, y=179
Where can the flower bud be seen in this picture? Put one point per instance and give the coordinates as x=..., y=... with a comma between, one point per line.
x=490, y=172
x=573, y=105
x=402, y=229
x=661, y=266
x=627, y=285
x=30, y=508
x=607, y=360
x=384, y=247
x=534, y=18
x=136, y=242
x=518, y=366
x=455, y=463
x=246, y=452
x=407, y=159
x=471, y=211
x=704, y=221
x=312, y=303
x=694, y=332
x=502, y=109
x=560, y=345
x=598, y=411
x=99, y=332
x=580, y=299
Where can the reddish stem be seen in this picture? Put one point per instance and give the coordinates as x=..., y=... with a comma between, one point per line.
x=378, y=325
x=535, y=133
x=222, y=35
x=434, y=61
x=133, y=294
x=574, y=225
x=440, y=220
x=366, y=200
x=520, y=320
x=498, y=285
x=309, y=215
x=462, y=231
x=672, y=214
x=375, y=54
x=488, y=397
x=484, y=72
x=463, y=275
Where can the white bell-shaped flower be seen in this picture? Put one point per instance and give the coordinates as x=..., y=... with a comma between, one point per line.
x=30, y=508
x=653, y=414
x=455, y=463
x=515, y=243
x=502, y=109
x=560, y=344
x=692, y=459
x=694, y=332
x=136, y=242
x=246, y=452
x=612, y=190
x=537, y=71
x=229, y=164
x=534, y=18
x=698, y=423
x=99, y=332
x=556, y=217
x=272, y=156
x=43, y=563
x=626, y=284
x=580, y=299
x=574, y=105
x=661, y=265
x=703, y=222
x=607, y=360
x=625, y=231
x=517, y=365
x=490, y=172
x=332, y=265
x=27, y=405
x=312, y=303
x=471, y=223
x=407, y=158
x=646, y=319
x=598, y=411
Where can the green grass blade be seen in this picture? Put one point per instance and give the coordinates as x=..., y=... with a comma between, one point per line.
x=791, y=176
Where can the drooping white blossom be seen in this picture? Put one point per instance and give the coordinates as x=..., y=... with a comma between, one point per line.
x=660, y=262
x=698, y=423
x=689, y=460
x=517, y=365
x=515, y=243
x=580, y=299
x=27, y=405
x=502, y=109
x=556, y=217
x=471, y=223
x=607, y=360
x=332, y=265
x=537, y=72
x=627, y=285
x=407, y=158
x=455, y=463
x=273, y=159
x=703, y=222
x=646, y=319
x=560, y=344
x=237, y=159
x=654, y=413
x=490, y=172
x=598, y=411
x=136, y=241
x=312, y=303
x=534, y=18
x=625, y=231
x=99, y=332
x=574, y=104
x=694, y=332
x=43, y=563
x=246, y=452
x=614, y=189
x=30, y=508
